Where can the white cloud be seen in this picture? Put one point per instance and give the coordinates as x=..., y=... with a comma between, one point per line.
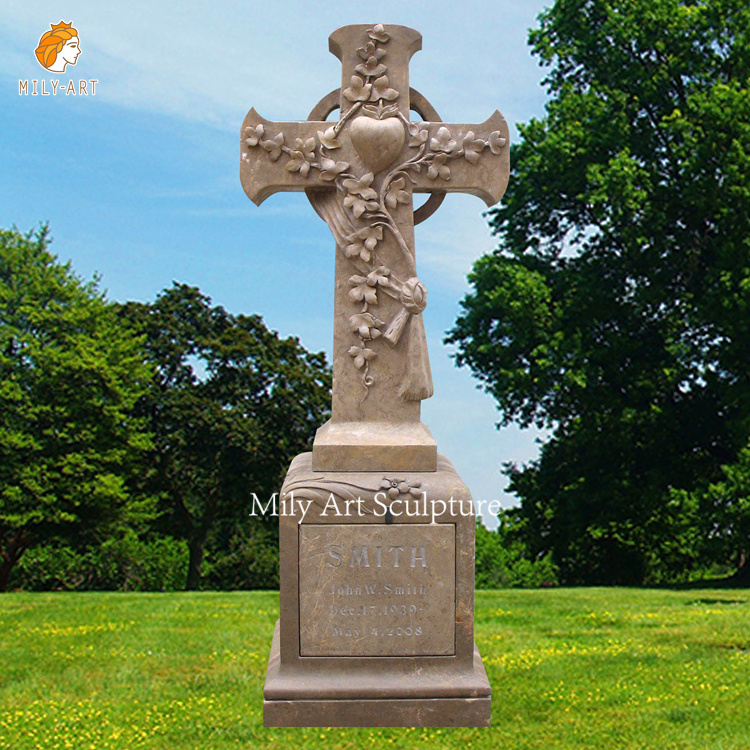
x=210, y=62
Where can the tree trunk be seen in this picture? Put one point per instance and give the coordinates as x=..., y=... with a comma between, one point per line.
x=5, y=567
x=196, y=544
x=15, y=547
x=742, y=574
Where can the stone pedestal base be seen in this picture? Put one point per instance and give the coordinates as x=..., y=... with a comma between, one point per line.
x=469, y=711
x=377, y=602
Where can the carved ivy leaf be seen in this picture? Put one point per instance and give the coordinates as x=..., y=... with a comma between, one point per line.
x=472, y=146
x=297, y=163
x=366, y=325
x=361, y=354
x=301, y=156
x=438, y=168
x=366, y=237
x=396, y=193
x=358, y=249
x=443, y=141
x=274, y=146
x=363, y=242
x=306, y=146
x=371, y=68
x=378, y=33
x=418, y=135
x=358, y=91
x=496, y=142
x=328, y=139
x=255, y=134
x=330, y=169
x=358, y=206
x=361, y=186
x=361, y=196
x=361, y=292
x=369, y=50
x=379, y=277
x=380, y=90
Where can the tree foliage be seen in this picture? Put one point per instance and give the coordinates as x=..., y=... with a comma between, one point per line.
x=615, y=311
x=70, y=375
x=502, y=558
x=231, y=404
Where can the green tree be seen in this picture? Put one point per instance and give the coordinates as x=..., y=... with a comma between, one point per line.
x=502, y=558
x=725, y=505
x=70, y=375
x=615, y=310
x=230, y=406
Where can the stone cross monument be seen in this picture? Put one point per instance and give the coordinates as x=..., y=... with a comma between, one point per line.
x=377, y=544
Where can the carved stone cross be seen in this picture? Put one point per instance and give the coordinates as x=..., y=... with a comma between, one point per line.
x=359, y=173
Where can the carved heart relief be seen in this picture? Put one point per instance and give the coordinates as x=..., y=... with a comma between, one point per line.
x=378, y=142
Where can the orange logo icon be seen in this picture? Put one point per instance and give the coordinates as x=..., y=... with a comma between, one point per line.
x=58, y=47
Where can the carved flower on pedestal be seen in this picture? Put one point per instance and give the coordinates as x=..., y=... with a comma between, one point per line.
x=395, y=487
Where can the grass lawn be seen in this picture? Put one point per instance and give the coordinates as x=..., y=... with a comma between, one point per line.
x=570, y=669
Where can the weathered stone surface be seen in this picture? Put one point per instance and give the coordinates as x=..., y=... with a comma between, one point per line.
x=377, y=605
x=471, y=711
x=358, y=446
x=393, y=506
x=385, y=590
x=376, y=507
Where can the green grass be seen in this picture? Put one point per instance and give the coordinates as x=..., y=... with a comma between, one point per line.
x=570, y=669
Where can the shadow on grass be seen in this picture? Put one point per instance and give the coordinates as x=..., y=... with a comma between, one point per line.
x=738, y=582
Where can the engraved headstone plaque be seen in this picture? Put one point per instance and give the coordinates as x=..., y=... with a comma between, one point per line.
x=376, y=590
x=377, y=607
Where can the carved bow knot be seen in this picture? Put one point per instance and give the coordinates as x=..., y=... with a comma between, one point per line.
x=413, y=298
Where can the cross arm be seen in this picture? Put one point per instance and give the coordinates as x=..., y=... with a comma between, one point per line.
x=460, y=158
x=285, y=156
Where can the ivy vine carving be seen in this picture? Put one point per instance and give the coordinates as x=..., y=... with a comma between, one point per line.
x=370, y=211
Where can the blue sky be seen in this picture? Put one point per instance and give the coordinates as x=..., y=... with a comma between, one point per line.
x=140, y=183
